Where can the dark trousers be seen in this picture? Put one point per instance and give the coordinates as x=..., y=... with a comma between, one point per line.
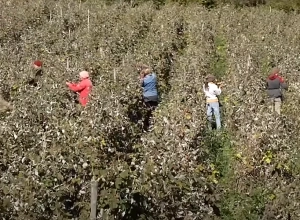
x=150, y=107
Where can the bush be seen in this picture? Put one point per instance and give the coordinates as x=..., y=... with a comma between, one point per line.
x=52, y=148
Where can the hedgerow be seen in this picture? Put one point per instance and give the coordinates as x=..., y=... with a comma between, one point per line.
x=51, y=148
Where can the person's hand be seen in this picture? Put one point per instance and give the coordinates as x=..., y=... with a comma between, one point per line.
x=142, y=75
x=68, y=83
x=220, y=84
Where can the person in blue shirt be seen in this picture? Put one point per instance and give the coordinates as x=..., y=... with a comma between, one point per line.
x=148, y=81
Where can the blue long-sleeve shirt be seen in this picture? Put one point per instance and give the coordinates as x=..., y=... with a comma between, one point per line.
x=149, y=85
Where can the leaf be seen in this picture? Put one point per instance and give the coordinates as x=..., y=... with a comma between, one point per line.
x=60, y=177
x=5, y=191
x=272, y=196
x=188, y=116
x=124, y=174
x=102, y=173
x=6, y=203
x=200, y=167
x=103, y=143
x=118, y=182
x=238, y=155
x=113, y=201
x=268, y=160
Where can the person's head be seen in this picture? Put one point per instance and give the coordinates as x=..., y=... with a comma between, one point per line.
x=209, y=79
x=37, y=64
x=146, y=71
x=275, y=71
x=84, y=75
x=141, y=67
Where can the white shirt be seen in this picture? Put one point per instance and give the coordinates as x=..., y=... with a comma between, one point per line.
x=212, y=92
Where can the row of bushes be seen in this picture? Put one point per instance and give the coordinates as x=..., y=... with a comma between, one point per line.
x=50, y=149
x=286, y=5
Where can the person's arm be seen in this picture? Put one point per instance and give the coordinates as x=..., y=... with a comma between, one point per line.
x=154, y=78
x=142, y=79
x=266, y=85
x=32, y=81
x=142, y=82
x=217, y=90
x=76, y=87
x=284, y=85
x=203, y=88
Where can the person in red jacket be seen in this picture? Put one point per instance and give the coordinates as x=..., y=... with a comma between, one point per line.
x=36, y=74
x=84, y=87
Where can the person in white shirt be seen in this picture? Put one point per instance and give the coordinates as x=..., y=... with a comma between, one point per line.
x=212, y=91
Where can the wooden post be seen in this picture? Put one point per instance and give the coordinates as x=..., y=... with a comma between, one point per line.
x=115, y=75
x=44, y=144
x=184, y=74
x=88, y=20
x=94, y=188
x=248, y=64
x=68, y=65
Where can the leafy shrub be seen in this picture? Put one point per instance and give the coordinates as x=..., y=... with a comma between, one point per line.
x=52, y=148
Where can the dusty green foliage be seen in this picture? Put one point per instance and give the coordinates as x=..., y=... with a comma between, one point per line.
x=267, y=144
x=51, y=148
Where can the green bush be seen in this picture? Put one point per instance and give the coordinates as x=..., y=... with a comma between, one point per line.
x=51, y=148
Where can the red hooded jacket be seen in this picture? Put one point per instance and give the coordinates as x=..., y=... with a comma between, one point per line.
x=84, y=88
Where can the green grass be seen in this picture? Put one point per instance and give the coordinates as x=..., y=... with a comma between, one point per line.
x=219, y=63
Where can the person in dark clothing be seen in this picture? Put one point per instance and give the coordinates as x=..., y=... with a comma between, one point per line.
x=148, y=81
x=275, y=84
x=37, y=73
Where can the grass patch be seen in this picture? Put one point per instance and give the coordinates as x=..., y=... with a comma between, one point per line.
x=219, y=64
x=233, y=203
x=235, y=206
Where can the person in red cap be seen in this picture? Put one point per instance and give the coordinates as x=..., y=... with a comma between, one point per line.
x=37, y=73
x=84, y=87
x=37, y=64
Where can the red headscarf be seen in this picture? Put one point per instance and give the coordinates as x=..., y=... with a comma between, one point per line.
x=38, y=63
x=275, y=75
